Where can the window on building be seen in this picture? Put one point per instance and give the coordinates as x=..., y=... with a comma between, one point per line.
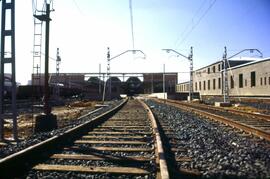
x=241, y=80
x=245, y=82
x=214, y=69
x=253, y=78
x=219, y=83
x=208, y=70
x=264, y=80
x=195, y=86
x=261, y=81
x=269, y=80
x=232, y=82
x=208, y=85
x=200, y=85
x=203, y=85
x=218, y=67
x=214, y=84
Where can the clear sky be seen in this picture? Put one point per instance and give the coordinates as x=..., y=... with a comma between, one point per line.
x=83, y=29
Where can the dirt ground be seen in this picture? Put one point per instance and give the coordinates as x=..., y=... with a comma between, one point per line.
x=249, y=109
x=26, y=121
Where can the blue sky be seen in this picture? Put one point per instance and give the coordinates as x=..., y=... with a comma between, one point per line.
x=83, y=29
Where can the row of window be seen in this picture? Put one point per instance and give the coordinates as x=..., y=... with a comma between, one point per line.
x=202, y=85
x=263, y=80
x=211, y=69
x=220, y=66
x=183, y=87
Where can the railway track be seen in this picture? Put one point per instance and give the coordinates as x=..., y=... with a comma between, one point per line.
x=196, y=147
x=251, y=123
x=176, y=152
x=125, y=144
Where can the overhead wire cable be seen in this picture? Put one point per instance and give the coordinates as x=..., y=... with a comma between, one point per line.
x=190, y=23
x=131, y=21
x=198, y=22
x=78, y=7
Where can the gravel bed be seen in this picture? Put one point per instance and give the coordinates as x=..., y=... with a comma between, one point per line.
x=60, y=175
x=115, y=154
x=148, y=145
x=99, y=138
x=264, y=107
x=149, y=166
x=39, y=137
x=215, y=150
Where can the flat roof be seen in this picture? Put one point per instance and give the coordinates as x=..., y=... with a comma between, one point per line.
x=250, y=63
x=231, y=60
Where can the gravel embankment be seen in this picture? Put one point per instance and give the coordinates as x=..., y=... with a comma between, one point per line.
x=216, y=151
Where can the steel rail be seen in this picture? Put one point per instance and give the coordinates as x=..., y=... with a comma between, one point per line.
x=234, y=111
x=25, y=158
x=161, y=155
x=227, y=121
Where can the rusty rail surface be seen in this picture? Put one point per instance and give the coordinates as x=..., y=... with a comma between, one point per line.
x=120, y=133
x=22, y=159
x=228, y=121
x=160, y=151
x=234, y=111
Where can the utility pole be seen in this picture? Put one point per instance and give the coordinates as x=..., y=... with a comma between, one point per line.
x=47, y=121
x=225, y=76
x=109, y=58
x=108, y=75
x=8, y=13
x=191, y=74
x=58, y=60
x=164, y=89
x=47, y=109
x=108, y=71
x=99, y=76
x=225, y=86
x=190, y=58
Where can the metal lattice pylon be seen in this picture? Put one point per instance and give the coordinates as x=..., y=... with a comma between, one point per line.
x=57, y=75
x=225, y=76
x=38, y=9
x=8, y=57
x=37, y=55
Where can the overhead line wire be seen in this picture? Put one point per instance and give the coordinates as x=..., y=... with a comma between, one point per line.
x=131, y=20
x=190, y=23
x=200, y=19
x=78, y=7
